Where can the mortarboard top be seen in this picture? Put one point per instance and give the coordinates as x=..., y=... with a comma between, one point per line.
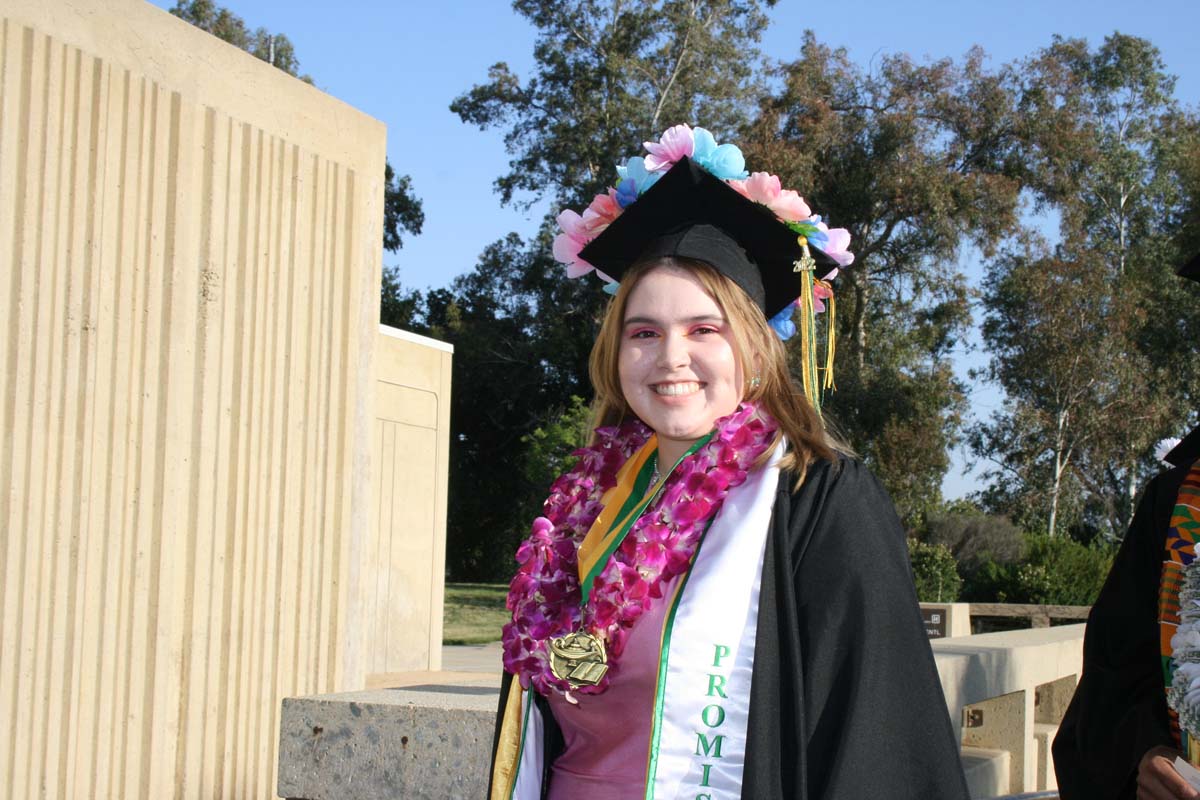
x=692, y=214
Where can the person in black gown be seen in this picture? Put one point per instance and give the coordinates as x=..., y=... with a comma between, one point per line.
x=1115, y=740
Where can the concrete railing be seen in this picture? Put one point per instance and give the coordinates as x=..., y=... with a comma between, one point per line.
x=1039, y=616
x=956, y=619
x=431, y=737
x=1007, y=693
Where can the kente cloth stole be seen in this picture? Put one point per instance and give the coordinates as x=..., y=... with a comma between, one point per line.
x=702, y=700
x=1179, y=551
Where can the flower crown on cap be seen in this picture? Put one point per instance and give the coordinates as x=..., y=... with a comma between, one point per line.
x=724, y=161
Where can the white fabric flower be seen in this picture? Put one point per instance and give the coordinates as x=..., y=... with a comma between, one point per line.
x=1165, y=446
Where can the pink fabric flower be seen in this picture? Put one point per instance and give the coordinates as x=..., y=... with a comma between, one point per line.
x=765, y=189
x=568, y=243
x=790, y=206
x=578, y=230
x=675, y=143
x=835, y=248
x=821, y=293
x=600, y=214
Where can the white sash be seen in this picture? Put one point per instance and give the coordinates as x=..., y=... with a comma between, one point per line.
x=528, y=785
x=698, y=738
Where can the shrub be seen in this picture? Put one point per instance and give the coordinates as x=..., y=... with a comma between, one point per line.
x=1055, y=571
x=975, y=537
x=990, y=582
x=934, y=572
x=1073, y=572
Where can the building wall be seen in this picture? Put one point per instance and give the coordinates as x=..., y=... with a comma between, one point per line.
x=404, y=570
x=189, y=272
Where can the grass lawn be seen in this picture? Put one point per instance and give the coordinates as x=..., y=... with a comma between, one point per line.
x=474, y=613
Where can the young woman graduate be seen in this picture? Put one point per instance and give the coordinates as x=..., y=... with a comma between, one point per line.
x=717, y=602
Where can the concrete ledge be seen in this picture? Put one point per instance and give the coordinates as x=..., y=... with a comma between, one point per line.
x=422, y=742
x=987, y=665
x=1006, y=683
x=987, y=771
x=431, y=737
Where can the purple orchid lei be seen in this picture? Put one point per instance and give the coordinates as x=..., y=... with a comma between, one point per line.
x=544, y=596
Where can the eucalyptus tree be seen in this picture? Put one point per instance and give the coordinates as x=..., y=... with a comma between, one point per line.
x=1099, y=370
x=917, y=160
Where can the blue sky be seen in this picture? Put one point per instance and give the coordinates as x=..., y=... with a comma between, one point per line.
x=403, y=62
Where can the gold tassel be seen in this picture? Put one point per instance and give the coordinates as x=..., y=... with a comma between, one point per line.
x=809, y=369
x=830, y=341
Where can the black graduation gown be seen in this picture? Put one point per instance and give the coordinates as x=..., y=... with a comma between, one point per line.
x=1119, y=710
x=845, y=702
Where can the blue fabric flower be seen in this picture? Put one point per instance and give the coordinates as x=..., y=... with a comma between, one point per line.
x=611, y=288
x=627, y=192
x=723, y=161
x=635, y=170
x=810, y=229
x=703, y=147
x=782, y=323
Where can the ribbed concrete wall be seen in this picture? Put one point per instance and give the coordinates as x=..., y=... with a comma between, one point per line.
x=189, y=257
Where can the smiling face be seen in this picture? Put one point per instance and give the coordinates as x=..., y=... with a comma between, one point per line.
x=678, y=368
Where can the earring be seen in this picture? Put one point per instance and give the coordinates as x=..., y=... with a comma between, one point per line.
x=755, y=381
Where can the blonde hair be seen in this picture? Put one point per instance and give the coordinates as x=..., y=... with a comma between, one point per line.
x=757, y=349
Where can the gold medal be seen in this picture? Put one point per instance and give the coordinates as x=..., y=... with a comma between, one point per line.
x=578, y=658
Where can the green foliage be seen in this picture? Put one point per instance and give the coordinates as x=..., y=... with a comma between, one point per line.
x=1066, y=405
x=401, y=209
x=1075, y=572
x=974, y=537
x=1090, y=342
x=989, y=582
x=1054, y=571
x=274, y=48
x=934, y=572
x=915, y=159
x=399, y=307
x=609, y=75
x=549, y=447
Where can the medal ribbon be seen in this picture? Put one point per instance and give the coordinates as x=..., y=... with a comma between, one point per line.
x=623, y=505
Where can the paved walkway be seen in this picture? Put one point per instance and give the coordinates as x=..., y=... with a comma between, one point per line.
x=475, y=665
x=472, y=658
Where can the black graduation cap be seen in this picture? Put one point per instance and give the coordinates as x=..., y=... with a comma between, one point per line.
x=693, y=214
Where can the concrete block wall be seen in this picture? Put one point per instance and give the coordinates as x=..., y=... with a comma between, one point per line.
x=190, y=252
x=403, y=563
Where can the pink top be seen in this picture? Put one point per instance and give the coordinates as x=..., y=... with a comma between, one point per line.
x=607, y=735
